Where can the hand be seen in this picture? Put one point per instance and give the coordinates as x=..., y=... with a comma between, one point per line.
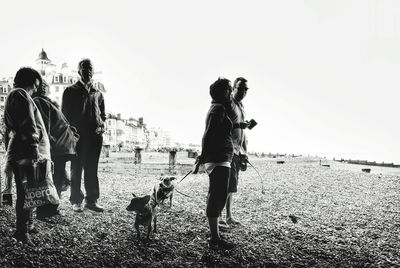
x=196, y=168
x=244, y=124
x=197, y=164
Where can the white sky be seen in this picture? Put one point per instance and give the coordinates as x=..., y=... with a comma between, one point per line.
x=323, y=75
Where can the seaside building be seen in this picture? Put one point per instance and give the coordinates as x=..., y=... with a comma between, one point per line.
x=158, y=138
x=125, y=133
x=5, y=86
x=119, y=134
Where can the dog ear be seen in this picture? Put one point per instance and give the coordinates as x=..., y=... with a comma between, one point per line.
x=173, y=178
x=146, y=199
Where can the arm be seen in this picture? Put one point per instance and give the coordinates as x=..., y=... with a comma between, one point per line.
x=244, y=143
x=45, y=111
x=66, y=106
x=22, y=119
x=102, y=108
x=214, y=119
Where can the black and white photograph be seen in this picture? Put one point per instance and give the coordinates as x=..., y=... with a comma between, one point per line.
x=200, y=133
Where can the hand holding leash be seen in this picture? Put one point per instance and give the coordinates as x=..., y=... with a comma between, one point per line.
x=197, y=165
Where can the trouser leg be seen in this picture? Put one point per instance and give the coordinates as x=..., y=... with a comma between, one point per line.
x=24, y=217
x=76, y=178
x=91, y=164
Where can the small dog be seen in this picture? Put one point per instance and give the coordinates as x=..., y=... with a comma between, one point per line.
x=165, y=190
x=145, y=210
x=145, y=206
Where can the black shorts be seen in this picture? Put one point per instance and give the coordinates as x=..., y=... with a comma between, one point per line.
x=218, y=191
x=234, y=177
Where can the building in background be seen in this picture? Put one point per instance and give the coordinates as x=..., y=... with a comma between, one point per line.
x=120, y=134
x=6, y=84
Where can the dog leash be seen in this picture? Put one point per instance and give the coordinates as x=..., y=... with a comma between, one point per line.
x=182, y=193
x=185, y=176
x=259, y=175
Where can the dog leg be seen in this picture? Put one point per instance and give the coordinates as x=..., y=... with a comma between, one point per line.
x=137, y=230
x=148, y=230
x=170, y=200
x=155, y=223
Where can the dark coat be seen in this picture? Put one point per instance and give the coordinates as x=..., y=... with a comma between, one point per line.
x=24, y=121
x=56, y=126
x=84, y=110
x=217, y=143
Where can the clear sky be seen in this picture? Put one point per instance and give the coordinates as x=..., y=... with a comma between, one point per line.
x=323, y=75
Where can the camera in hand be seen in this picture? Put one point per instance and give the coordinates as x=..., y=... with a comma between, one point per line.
x=252, y=123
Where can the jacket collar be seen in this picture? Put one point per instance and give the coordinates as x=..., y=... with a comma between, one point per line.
x=86, y=86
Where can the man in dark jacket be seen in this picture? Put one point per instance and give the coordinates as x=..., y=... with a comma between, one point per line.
x=83, y=106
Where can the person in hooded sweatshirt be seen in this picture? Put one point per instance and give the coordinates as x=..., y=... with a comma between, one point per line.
x=216, y=155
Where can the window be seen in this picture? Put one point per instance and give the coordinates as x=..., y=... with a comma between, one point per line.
x=1, y=98
x=56, y=79
x=64, y=79
x=57, y=89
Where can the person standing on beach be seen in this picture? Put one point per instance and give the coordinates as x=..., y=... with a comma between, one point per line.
x=28, y=143
x=55, y=124
x=83, y=106
x=216, y=155
x=237, y=115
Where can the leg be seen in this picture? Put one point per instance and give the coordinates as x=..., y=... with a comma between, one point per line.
x=233, y=183
x=59, y=174
x=217, y=193
x=76, y=178
x=91, y=163
x=8, y=174
x=50, y=210
x=213, y=222
x=137, y=230
x=24, y=217
x=229, y=206
x=149, y=229
x=170, y=200
x=155, y=222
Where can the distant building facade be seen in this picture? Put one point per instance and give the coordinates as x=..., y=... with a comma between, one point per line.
x=5, y=86
x=125, y=133
x=119, y=133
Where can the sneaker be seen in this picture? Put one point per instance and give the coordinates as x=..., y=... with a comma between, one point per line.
x=48, y=214
x=25, y=238
x=33, y=230
x=223, y=226
x=233, y=222
x=220, y=244
x=221, y=221
x=77, y=207
x=94, y=207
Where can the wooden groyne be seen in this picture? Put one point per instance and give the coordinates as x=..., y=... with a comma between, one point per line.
x=369, y=163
